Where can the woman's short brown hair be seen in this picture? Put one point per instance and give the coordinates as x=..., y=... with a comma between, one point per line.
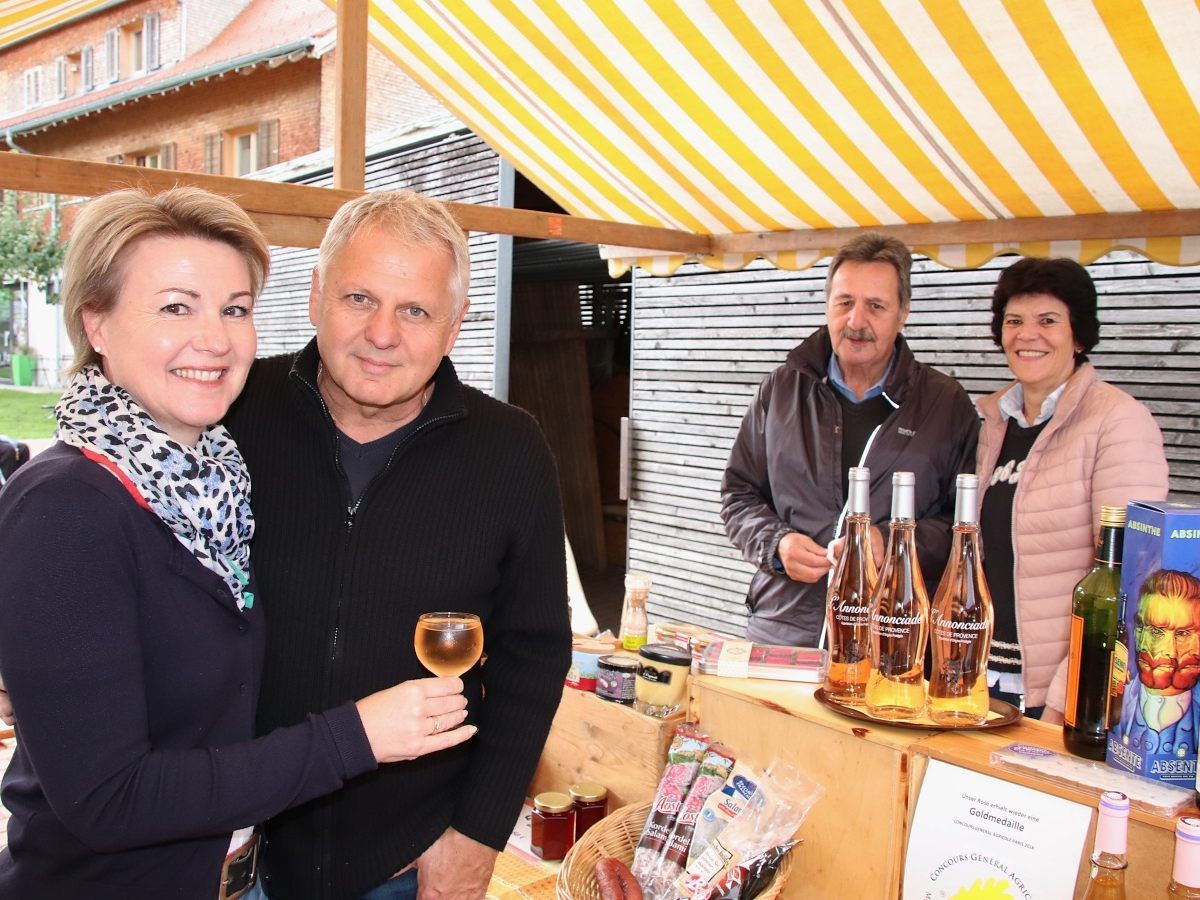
x=108, y=227
x=1061, y=278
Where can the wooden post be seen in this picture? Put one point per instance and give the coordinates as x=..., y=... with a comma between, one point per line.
x=350, y=107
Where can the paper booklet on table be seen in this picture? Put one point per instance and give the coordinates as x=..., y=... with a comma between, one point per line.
x=744, y=659
x=1083, y=774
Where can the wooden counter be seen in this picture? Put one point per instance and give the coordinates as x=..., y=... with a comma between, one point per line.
x=859, y=826
x=856, y=835
x=1151, y=837
x=872, y=775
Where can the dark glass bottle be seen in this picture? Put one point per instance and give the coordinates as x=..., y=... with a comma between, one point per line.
x=1119, y=679
x=1095, y=608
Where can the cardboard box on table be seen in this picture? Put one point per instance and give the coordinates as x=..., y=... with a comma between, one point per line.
x=1156, y=735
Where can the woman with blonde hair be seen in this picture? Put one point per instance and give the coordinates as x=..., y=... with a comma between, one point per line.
x=131, y=636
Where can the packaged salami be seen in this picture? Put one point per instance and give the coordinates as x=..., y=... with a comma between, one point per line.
x=771, y=817
x=683, y=762
x=723, y=806
x=714, y=769
x=749, y=878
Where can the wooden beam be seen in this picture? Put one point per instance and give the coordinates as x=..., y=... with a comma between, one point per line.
x=76, y=178
x=528, y=223
x=1167, y=223
x=290, y=231
x=283, y=203
x=350, y=104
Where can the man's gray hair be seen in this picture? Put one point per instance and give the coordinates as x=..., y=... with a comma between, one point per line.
x=874, y=246
x=410, y=218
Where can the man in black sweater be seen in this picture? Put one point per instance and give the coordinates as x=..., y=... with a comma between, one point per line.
x=384, y=488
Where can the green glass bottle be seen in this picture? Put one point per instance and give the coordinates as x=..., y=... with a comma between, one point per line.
x=1095, y=608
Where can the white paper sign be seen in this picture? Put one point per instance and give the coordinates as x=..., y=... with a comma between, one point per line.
x=980, y=837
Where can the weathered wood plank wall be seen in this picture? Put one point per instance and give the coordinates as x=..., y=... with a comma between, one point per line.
x=456, y=166
x=703, y=340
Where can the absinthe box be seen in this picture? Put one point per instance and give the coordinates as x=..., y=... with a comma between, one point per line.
x=1158, y=726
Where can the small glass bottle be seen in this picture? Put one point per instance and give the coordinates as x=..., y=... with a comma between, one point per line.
x=552, y=830
x=591, y=805
x=633, y=623
x=1107, y=878
x=1185, y=873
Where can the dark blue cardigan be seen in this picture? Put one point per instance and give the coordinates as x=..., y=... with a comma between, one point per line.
x=134, y=677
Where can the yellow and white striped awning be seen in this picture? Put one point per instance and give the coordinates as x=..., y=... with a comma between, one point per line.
x=20, y=19
x=728, y=118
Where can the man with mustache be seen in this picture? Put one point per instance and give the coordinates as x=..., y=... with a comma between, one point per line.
x=1160, y=715
x=851, y=394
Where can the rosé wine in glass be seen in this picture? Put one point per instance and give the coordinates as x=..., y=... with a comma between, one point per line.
x=448, y=643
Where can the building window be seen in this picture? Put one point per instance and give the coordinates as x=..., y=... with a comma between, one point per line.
x=69, y=74
x=243, y=147
x=162, y=157
x=213, y=153
x=33, y=87
x=150, y=41
x=134, y=48
x=242, y=150
x=87, y=69
x=62, y=80
x=112, y=57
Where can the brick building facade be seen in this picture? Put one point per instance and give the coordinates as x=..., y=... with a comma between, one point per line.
x=226, y=87
x=221, y=86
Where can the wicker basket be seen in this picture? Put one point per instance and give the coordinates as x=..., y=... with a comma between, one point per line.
x=617, y=835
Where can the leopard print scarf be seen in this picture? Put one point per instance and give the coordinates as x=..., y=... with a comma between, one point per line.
x=202, y=493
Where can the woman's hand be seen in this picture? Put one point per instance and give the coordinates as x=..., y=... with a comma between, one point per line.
x=415, y=717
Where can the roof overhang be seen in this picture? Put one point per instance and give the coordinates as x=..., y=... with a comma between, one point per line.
x=154, y=87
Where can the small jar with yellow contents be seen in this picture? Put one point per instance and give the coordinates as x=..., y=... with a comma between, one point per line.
x=662, y=680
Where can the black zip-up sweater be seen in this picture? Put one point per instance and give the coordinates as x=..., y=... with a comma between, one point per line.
x=466, y=515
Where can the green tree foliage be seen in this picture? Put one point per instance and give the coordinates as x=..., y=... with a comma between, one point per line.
x=29, y=251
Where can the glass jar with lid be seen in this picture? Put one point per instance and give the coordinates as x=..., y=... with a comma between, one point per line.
x=591, y=804
x=661, y=687
x=552, y=826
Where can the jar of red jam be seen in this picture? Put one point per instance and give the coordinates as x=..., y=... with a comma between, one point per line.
x=591, y=805
x=553, y=825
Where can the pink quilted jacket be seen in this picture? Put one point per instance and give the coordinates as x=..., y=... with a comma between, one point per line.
x=1101, y=448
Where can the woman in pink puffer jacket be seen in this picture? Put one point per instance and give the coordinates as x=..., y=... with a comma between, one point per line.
x=1055, y=446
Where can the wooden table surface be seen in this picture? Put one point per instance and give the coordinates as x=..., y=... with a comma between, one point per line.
x=872, y=774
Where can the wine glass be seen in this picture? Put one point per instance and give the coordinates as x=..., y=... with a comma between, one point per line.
x=448, y=643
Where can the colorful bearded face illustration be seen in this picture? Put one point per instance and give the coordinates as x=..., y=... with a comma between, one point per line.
x=1167, y=632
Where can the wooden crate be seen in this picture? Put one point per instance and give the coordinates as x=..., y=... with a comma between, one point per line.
x=597, y=740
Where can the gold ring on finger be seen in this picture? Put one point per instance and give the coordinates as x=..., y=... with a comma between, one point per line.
x=437, y=724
